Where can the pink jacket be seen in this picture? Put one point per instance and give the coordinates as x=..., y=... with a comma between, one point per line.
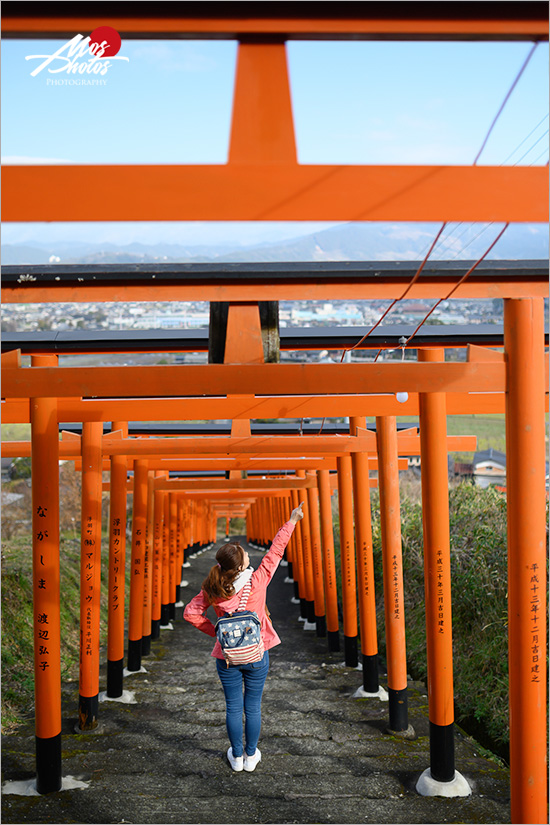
x=197, y=607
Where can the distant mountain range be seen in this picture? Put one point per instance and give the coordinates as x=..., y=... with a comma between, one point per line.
x=346, y=242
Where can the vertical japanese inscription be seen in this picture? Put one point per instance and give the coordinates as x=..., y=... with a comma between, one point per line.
x=534, y=602
x=89, y=572
x=116, y=534
x=396, y=590
x=440, y=597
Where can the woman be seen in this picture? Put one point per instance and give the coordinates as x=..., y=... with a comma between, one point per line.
x=220, y=589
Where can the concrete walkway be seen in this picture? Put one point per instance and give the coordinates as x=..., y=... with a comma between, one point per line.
x=325, y=756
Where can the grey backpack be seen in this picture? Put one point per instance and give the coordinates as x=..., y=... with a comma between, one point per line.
x=239, y=633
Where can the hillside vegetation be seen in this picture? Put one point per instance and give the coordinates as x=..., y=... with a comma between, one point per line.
x=479, y=604
x=479, y=601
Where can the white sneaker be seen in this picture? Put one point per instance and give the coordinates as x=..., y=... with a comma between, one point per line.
x=250, y=762
x=236, y=762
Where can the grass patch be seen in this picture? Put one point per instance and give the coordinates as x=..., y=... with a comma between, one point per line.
x=17, y=621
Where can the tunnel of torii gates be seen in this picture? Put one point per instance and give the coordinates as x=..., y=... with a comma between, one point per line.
x=262, y=180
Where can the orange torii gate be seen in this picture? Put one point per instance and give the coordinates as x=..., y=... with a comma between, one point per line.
x=413, y=377
x=408, y=443
x=262, y=181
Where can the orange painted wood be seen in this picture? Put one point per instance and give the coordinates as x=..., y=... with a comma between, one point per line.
x=437, y=553
x=90, y=570
x=13, y=359
x=298, y=550
x=306, y=543
x=45, y=563
x=258, y=464
x=139, y=527
x=361, y=26
x=248, y=484
x=262, y=129
x=363, y=543
x=259, y=379
x=148, y=558
x=165, y=580
x=317, y=445
x=243, y=343
x=181, y=536
x=347, y=546
x=392, y=556
x=527, y=558
x=173, y=579
x=483, y=354
x=327, y=548
x=316, y=552
x=17, y=410
x=471, y=288
x=156, y=584
x=117, y=552
x=287, y=505
x=258, y=445
x=276, y=192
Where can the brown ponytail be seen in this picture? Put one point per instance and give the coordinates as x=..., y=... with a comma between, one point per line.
x=218, y=585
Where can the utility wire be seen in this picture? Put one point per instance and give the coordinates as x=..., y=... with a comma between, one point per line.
x=461, y=281
x=505, y=101
x=487, y=226
x=524, y=139
x=467, y=274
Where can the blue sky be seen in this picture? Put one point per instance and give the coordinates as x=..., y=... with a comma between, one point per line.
x=353, y=102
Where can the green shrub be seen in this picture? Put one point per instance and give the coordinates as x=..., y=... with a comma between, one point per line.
x=479, y=600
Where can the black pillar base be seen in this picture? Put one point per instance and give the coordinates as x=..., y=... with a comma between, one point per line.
x=48, y=764
x=370, y=673
x=442, y=752
x=145, y=645
x=172, y=610
x=134, y=654
x=296, y=590
x=399, y=713
x=87, y=712
x=321, y=623
x=155, y=629
x=290, y=574
x=350, y=650
x=333, y=638
x=164, y=617
x=178, y=592
x=303, y=608
x=115, y=678
x=310, y=611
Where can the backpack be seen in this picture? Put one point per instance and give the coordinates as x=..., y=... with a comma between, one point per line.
x=239, y=633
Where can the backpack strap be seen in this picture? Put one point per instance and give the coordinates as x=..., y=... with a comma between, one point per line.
x=245, y=593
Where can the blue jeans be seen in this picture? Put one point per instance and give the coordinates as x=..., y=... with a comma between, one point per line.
x=232, y=678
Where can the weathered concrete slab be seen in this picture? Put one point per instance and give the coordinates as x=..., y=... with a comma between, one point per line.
x=325, y=756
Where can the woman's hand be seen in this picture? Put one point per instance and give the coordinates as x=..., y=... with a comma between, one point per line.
x=297, y=514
